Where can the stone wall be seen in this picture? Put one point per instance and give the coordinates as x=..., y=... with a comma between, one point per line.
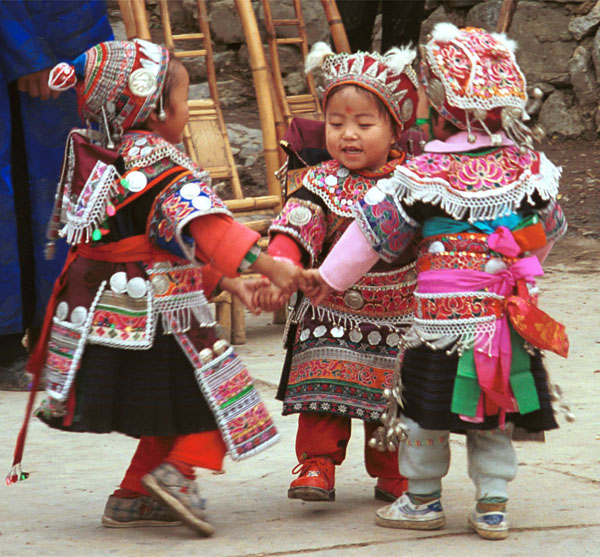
x=559, y=49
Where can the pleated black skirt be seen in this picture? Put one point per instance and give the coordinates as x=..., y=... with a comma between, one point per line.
x=138, y=392
x=428, y=382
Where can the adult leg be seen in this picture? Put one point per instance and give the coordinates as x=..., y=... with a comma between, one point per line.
x=358, y=18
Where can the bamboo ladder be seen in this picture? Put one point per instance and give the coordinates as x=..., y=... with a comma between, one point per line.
x=305, y=105
x=207, y=143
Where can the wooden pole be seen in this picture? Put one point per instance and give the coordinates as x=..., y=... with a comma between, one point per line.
x=260, y=75
x=507, y=9
x=128, y=19
x=336, y=26
x=141, y=19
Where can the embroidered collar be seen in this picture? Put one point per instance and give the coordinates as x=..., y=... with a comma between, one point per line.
x=341, y=188
x=477, y=186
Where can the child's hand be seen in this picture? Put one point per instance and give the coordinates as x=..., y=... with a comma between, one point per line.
x=282, y=274
x=313, y=285
x=246, y=290
x=270, y=298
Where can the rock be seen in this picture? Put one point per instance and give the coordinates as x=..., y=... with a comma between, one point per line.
x=545, y=45
x=224, y=21
x=439, y=15
x=597, y=119
x=249, y=140
x=290, y=58
x=484, y=15
x=583, y=79
x=295, y=83
x=595, y=48
x=559, y=116
x=315, y=22
x=582, y=26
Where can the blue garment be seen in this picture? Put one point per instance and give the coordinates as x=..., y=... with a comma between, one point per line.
x=446, y=225
x=35, y=35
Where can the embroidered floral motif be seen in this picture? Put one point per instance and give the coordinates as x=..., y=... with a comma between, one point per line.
x=477, y=187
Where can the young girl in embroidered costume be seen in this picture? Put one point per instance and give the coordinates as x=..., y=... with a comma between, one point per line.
x=484, y=202
x=129, y=343
x=342, y=353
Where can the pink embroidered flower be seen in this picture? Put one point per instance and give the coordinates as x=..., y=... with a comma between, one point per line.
x=523, y=160
x=477, y=173
x=430, y=163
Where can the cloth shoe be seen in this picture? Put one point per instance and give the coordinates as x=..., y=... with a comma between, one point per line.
x=389, y=489
x=490, y=521
x=135, y=512
x=403, y=513
x=316, y=481
x=180, y=494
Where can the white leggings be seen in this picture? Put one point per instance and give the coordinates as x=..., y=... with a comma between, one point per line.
x=424, y=458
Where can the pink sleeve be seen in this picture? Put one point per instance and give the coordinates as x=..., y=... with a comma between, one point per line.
x=350, y=259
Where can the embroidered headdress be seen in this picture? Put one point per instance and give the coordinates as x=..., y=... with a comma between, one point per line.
x=118, y=83
x=390, y=77
x=473, y=80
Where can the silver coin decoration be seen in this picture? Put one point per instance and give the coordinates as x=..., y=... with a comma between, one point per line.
x=320, y=331
x=331, y=180
x=141, y=141
x=337, y=332
x=343, y=172
x=160, y=284
x=78, y=316
x=146, y=151
x=354, y=299
x=136, y=287
x=355, y=335
x=304, y=334
x=62, y=310
x=436, y=247
x=133, y=152
x=142, y=82
x=374, y=196
x=161, y=265
x=202, y=202
x=406, y=110
x=494, y=266
x=189, y=191
x=392, y=339
x=118, y=282
x=299, y=216
x=137, y=180
x=374, y=338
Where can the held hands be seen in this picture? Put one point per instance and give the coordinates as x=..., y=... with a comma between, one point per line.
x=313, y=285
x=246, y=290
x=270, y=298
x=36, y=85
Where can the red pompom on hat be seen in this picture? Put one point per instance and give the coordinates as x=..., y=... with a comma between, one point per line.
x=117, y=82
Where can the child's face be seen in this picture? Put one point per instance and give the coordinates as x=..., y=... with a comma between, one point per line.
x=357, y=133
x=176, y=107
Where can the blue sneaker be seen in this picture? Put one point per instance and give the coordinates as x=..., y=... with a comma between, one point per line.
x=403, y=513
x=490, y=525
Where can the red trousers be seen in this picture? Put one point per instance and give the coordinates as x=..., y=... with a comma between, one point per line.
x=202, y=450
x=328, y=436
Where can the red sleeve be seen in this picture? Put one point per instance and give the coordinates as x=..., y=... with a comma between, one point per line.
x=210, y=279
x=222, y=242
x=283, y=246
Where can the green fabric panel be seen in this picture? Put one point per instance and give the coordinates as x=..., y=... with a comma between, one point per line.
x=466, y=386
x=521, y=378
